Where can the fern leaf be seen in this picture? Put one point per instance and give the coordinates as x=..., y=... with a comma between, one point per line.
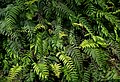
x=98, y=55
x=89, y=44
x=77, y=59
x=39, y=44
x=11, y=16
x=14, y=72
x=61, y=8
x=83, y=23
x=41, y=70
x=105, y=31
x=86, y=77
x=117, y=11
x=56, y=69
x=113, y=19
x=68, y=66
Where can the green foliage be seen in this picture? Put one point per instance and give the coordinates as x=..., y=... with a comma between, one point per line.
x=14, y=72
x=59, y=41
x=56, y=69
x=88, y=43
x=86, y=76
x=69, y=68
x=41, y=70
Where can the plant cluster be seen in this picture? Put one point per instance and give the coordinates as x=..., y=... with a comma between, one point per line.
x=59, y=41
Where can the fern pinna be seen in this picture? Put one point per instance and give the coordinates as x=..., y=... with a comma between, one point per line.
x=59, y=41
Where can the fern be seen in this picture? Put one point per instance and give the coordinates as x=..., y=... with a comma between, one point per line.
x=38, y=45
x=11, y=16
x=112, y=75
x=56, y=69
x=98, y=55
x=83, y=33
x=41, y=70
x=86, y=76
x=111, y=18
x=77, y=59
x=85, y=24
x=88, y=43
x=14, y=72
x=114, y=49
x=8, y=24
x=91, y=10
x=71, y=75
x=61, y=8
x=13, y=48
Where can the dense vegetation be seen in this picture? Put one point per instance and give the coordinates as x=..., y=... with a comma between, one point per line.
x=59, y=40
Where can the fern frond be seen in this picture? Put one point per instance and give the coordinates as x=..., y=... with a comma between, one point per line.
x=114, y=49
x=83, y=23
x=61, y=8
x=69, y=68
x=104, y=30
x=97, y=40
x=76, y=55
x=89, y=44
x=99, y=14
x=112, y=74
x=113, y=19
x=11, y=16
x=77, y=58
x=71, y=37
x=86, y=77
x=102, y=4
x=91, y=10
x=12, y=48
x=67, y=61
x=41, y=69
x=98, y=55
x=117, y=11
x=5, y=10
x=14, y=72
x=39, y=44
x=56, y=68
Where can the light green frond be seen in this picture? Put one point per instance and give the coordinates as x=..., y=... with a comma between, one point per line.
x=88, y=44
x=69, y=68
x=56, y=69
x=14, y=72
x=41, y=69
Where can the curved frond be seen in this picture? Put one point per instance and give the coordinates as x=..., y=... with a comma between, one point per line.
x=56, y=69
x=14, y=72
x=41, y=70
x=69, y=68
